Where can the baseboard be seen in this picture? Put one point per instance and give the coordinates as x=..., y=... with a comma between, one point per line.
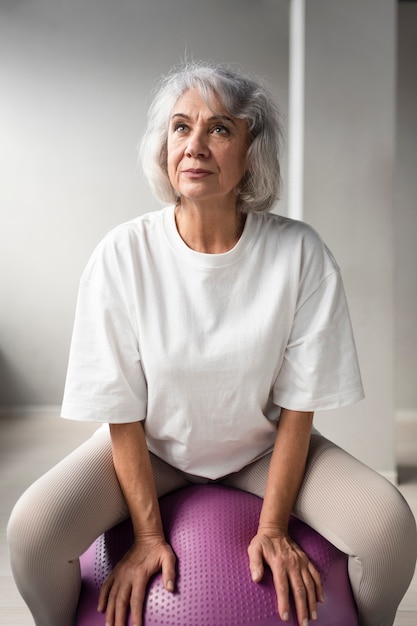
x=406, y=417
x=25, y=409
x=391, y=475
x=401, y=416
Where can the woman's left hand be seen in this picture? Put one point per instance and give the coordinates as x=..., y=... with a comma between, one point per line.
x=292, y=571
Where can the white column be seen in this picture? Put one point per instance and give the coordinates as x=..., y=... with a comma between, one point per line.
x=349, y=160
x=296, y=110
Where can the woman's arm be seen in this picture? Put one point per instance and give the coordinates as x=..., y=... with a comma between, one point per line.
x=126, y=585
x=290, y=566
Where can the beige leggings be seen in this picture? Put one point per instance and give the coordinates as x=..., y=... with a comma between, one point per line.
x=356, y=509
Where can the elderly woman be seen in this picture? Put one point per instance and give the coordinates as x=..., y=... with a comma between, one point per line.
x=206, y=335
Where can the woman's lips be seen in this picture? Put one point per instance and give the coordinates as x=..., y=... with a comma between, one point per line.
x=197, y=173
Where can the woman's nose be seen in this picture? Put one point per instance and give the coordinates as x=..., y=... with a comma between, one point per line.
x=197, y=145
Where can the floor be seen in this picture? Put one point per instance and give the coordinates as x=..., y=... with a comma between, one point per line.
x=32, y=442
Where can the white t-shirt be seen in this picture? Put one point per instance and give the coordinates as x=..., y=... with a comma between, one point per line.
x=206, y=348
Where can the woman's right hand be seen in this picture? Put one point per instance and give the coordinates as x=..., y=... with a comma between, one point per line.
x=125, y=587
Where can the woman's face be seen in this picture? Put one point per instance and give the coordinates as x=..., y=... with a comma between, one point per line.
x=206, y=150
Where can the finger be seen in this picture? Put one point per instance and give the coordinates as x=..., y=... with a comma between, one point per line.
x=136, y=603
x=104, y=594
x=110, y=604
x=256, y=564
x=317, y=581
x=118, y=606
x=102, y=600
x=314, y=588
x=299, y=592
x=281, y=585
x=168, y=572
x=311, y=593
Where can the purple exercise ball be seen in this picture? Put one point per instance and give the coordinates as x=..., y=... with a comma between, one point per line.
x=209, y=528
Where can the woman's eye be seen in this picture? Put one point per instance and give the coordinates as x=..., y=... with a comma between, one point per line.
x=179, y=127
x=220, y=130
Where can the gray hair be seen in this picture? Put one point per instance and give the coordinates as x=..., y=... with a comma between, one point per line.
x=242, y=98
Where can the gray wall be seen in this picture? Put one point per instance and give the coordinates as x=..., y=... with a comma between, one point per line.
x=405, y=216
x=348, y=194
x=75, y=81
x=77, y=77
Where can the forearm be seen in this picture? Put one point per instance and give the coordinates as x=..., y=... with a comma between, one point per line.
x=126, y=585
x=291, y=567
x=286, y=470
x=134, y=472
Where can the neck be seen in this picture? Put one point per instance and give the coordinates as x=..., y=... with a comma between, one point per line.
x=212, y=231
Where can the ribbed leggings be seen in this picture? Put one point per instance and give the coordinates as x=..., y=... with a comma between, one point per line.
x=352, y=506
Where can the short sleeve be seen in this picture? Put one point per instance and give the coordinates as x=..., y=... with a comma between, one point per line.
x=320, y=368
x=105, y=381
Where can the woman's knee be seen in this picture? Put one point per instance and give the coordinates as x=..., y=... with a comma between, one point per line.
x=25, y=537
x=359, y=503
x=30, y=530
x=393, y=527
x=388, y=515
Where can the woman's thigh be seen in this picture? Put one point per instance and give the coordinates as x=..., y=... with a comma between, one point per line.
x=340, y=497
x=79, y=498
x=359, y=512
x=347, y=502
x=72, y=503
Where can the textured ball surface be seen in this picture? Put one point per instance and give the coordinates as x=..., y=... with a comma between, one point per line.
x=209, y=528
